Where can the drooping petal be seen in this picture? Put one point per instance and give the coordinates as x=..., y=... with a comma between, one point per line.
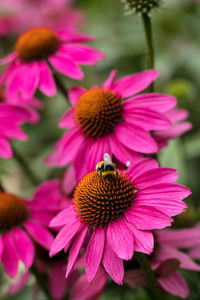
x=10, y=57
x=175, y=285
x=109, y=81
x=66, y=66
x=76, y=248
x=20, y=284
x=30, y=80
x=5, y=148
x=94, y=253
x=64, y=236
x=120, y=239
x=46, y=83
x=64, y=217
x=9, y=257
x=147, y=218
x=134, y=83
x=57, y=281
x=174, y=131
x=1, y=246
x=135, y=138
x=75, y=93
x=67, y=121
x=24, y=246
x=41, y=235
x=113, y=264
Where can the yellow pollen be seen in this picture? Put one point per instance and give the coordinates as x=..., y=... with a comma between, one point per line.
x=13, y=211
x=37, y=44
x=98, y=111
x=98, y=201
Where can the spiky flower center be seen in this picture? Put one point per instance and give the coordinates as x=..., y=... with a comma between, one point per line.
x=13, y=211
x=142, y=6
x=98, y=201
x=98, y=111
x=37, y=44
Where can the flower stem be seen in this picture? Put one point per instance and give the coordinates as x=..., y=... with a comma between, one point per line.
x=149, y=42
x=144, y=263
x=61, y=86
x=32, y=177
x=40, y=281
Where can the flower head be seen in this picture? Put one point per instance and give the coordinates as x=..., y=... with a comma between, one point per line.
x=102, y=119
x=141, y=6
x=11, y=117
x=117, y=210
x=40, y=49
x=19, y=224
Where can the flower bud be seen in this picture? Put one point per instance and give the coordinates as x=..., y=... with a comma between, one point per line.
x=141, y=6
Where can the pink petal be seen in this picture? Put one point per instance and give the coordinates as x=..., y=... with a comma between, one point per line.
x=120, y=239
x=46, y=84
x=20, y=284
x=177, y=114
x=75, y=93
x=1, y=246
x=69, y=180
x=64, y=217
x=146, y=118
x=39, y=234
x=147, y=218
x=30, y=79
x=175, y=130
x=195, y=253
x=67, y=36
x=108, y=83
x=113, y=264
x=10, y=57
x=57, y=281
x=64, y=236
x=76, y=248
x=135, y=138
x=94, y=253
x=157, y=102
x=175, y=285
x=139, y=167
x=9, y=257
x=155, y=176
x=5, y=148
x=143, y=240
x=67, y=121
x=66, y=66
x=24, y=246
x=134, y=83
x=80, y=53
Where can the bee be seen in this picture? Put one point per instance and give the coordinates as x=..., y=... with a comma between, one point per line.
x=106, y=168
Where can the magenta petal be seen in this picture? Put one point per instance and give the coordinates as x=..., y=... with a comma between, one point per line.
x=1, y=246
x=9, y=257
x=136, y=138
x=64, y=236
x=113, y=264
x=64, y=217
x=107, y=84
x=69, y=180
x=143, y=240
x=94, y=253
x=195, y=252
x=175, y=130
x=41, y=235
x=146, y=118
x=10, y=57
x=70, y=36
x=75, y=93
x=175, y=285
x=138, y=168
x=57, y=281
x=156, y=176
x=76, y=248
x=135, y=83
x=177, y=114
x=66, y=66
x=17, y=286
x=30, y=79
x=147, y=218
x=67, y=121
x=46, y=84
x=120, y=239
x=157, y=102
x=5, y=148
x=24, y=246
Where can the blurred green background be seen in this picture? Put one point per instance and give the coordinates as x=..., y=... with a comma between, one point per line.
x=177, y=58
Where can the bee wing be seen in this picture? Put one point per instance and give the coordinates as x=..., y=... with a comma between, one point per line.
x=107, y=159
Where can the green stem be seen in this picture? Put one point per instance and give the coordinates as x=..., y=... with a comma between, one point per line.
x=32, y=177
x=149, y=42
x=144, y=263
x=40, y=281
x=61, y=86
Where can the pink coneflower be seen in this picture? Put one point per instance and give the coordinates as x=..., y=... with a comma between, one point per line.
x=19, y=223
x=39, y=48
x=117, y=210
x=179, y=126
x=168, y=258
x=11, y=117
x=102, y=121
